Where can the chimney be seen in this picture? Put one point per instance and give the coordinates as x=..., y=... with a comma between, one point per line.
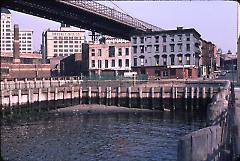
x=16, y=52
x=179, y=28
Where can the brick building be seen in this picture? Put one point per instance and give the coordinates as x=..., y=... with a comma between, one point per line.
x=167, y=53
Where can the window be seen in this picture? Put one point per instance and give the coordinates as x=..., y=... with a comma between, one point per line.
x=127, y=51
x=172, y=38
x=164, y=60
x=156, y=60
x=149, y=48
x=149, y=39
x=100, y=64
x=55, y=50
x=188, y=38
x=187, y=59
x=173, y=72
x=179, y=47
x=111, y=51
x=65, y=50
x=165, y=73
x=164, y=48
x=190, y=72
x=141, y=39
x=141, y=49
x=157, y=73
x=54, y=42
x=135, y=62
x=180, y=59
x=70, y=42
x=156, y=39
x=65, y=41
x=127, y=62
x=134, y=40
x=60, y=42
x=99, y=52
x=60, y=46
x=113, y=63
x=119, y=51
x=106, y=63
x=172, y=47
x=66, y=46
x=180, y=38
x=75, y=50
x=142, y=61
x=134, y=49
x=172, y=59
x=70, y=50
x=156, y=48
x=60, y=50
x=93, y=63
x=188, y=47
x=93, y=52
x=76, y=46
x=55, y=46
x=65, y=38
x=120, y=62
x=164, y=38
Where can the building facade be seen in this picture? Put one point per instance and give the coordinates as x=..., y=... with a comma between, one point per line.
x=63, y=42
x=209, y=57
x=167, y=54
x=7, y=34
x=109, y=59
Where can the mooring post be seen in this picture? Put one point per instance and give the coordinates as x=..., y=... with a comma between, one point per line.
x=197, y=97
x=80, y=95
x=10, y=99
x=211, y=92
x=48, y=98
x=129, y=95
x=192, y=98
x=140, y=97
x=56, y=97
x=118, y=96
x=19, y=97
x=99, y=94
x=64, y=95
x=152, y=97
x=72, y=95
x=39, y=98
x=89, y=95
x=110, y=96
x=172, y=98
x=106, y=96
x=185, y=98
x=203, y=92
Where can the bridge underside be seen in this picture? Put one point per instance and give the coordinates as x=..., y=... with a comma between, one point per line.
x=57, y=11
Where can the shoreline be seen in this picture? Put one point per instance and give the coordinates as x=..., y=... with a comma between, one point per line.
x=100, y=109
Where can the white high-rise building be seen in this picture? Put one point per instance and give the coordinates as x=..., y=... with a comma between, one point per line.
x=7, y=32
x=63, y=42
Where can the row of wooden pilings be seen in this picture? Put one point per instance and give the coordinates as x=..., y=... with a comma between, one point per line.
x=110, y=96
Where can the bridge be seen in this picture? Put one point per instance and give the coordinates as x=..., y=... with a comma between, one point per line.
x=89, y=15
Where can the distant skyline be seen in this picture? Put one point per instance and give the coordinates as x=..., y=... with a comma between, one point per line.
x=216, y=21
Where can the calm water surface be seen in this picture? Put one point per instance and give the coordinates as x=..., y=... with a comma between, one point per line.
x=105, y=137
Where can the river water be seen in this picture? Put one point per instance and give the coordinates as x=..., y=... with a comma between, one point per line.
x=103, y=137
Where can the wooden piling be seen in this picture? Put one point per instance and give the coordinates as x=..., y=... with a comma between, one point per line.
x=99, y=95
x=129, y=96
x=140, y=97
x=152, y=97
x=80, y=95
x=89, y=95
x=118, y=96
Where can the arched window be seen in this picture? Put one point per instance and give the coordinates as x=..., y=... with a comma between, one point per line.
x=188, y=61
x=179, y=59
x=172, y=56
x=164, y=59
x=157, y=63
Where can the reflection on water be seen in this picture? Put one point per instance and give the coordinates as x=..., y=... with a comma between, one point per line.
x=125, y=136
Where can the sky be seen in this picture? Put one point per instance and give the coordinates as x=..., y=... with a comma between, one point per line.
x=216, y=21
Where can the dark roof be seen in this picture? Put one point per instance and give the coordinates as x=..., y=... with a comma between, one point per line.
x=179, y=31
x=4, y=10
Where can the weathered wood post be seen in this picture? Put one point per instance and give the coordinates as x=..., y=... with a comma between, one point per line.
x=118, y=96
x=203, y=92
x=140, y=97
x=129, y=96
x=185, y=98
x=10, y=100
x=19, y=97
x=56, y=97
x=72, y=95
x=80, y=95
x=29, y=97
x=211, y=92
x=89, y=95
x=48, y=98
x=192, y=98
x=106, y=96
x=65, y=96
x=99, y=95
x=161, y=98
x=109, y=96
x=39, y=98
x=152, y=97
x=172, y=92
x=197, y=97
